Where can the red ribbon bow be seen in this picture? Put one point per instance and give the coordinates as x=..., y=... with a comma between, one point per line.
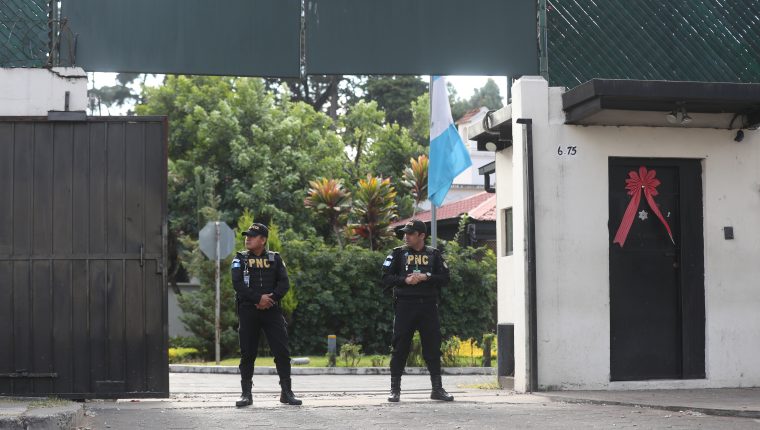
x=636, y=183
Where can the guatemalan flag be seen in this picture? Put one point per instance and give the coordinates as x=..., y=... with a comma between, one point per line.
x=448, y=154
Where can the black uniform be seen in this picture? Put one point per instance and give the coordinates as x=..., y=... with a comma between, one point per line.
x=416, y=306
x=253, y=276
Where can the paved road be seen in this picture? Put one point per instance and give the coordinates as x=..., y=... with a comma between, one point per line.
x=351, y=402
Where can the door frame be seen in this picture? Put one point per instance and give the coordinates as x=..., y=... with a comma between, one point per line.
x=691, y=279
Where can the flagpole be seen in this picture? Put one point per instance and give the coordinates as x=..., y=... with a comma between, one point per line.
x=433, y=219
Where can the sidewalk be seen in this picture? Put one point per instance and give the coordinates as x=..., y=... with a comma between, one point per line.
x=735, y=402
x=42, y=414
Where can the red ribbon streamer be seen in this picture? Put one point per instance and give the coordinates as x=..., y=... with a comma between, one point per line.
x=636, y=183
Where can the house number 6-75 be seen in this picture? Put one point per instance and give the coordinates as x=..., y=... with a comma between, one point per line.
x=569, y=150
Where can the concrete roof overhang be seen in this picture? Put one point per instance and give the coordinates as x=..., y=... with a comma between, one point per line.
x=496, y=128
x=618, y=102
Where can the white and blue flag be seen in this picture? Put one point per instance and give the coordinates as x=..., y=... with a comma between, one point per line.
x=448, y=154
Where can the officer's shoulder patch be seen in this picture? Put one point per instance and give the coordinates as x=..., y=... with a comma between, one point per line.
x=236, y=263
x=388, y=260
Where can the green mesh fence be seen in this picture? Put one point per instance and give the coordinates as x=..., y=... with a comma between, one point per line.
x=686, y=40
x=24, y=33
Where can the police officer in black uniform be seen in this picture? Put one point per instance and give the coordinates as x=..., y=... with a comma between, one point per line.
x=260, y=280
x=416, y=273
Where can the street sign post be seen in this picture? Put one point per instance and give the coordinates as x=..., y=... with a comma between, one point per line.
x=216, y=241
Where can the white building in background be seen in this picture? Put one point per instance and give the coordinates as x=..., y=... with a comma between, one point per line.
x=628, y=235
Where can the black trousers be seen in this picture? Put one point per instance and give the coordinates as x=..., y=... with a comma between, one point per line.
x=412, y=315
x=272, y=323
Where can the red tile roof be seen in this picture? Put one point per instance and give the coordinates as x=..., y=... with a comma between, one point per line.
x=481, y=207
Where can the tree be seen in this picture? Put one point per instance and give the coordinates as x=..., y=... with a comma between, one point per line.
x=416, y=179
x=373, y=211
x=488, y=95
x=390, y=151
x=318, y=91
x=394, y=95
x=329, y=199
x=261, y=152
x=361, y=126
x=420, y=128
x=114, y=95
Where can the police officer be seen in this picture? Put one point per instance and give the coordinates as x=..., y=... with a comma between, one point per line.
x=260, y=280
x=416, y=273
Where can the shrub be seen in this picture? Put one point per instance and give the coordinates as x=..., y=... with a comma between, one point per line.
x=450, y=351
x=468, y=302
x=351, y=354
x=415, y=358
x=182, y=355
x=186, y=342
x=339, y=292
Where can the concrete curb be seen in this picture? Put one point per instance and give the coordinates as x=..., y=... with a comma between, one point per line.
x=271, y=370
x=22, y=417
x=673, y=408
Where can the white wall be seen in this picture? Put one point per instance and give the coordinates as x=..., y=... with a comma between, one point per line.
x=471, y=176
x=34, y=92
x=504, y=262
x=573, y=251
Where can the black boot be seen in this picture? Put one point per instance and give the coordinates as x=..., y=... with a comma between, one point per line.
x=286, y=393
x=438, y=392
x=395, y=389
x=246, y=399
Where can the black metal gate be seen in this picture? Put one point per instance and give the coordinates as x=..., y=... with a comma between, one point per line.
x=82, y=257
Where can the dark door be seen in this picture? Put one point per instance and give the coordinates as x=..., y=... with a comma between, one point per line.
x=82, y=257
x=656, y=269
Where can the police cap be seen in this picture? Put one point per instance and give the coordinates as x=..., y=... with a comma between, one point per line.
x=257, y=229
x=415, y=225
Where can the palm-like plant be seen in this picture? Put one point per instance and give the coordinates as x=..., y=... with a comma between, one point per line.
x=330, y=200
x=416, y=179
x=373, y=210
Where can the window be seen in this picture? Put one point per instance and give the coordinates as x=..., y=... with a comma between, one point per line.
x=509, y=234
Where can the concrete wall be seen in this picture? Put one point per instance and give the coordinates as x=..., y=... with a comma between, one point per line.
x=573, y=244
x=176, y=326
x=34, y=92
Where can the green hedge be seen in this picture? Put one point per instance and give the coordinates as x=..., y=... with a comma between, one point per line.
x=339, y=292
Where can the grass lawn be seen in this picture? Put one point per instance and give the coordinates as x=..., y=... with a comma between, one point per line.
x=321, y=361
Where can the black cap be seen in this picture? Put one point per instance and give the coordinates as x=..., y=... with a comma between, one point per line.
x=415, y=225
x=257, y=229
